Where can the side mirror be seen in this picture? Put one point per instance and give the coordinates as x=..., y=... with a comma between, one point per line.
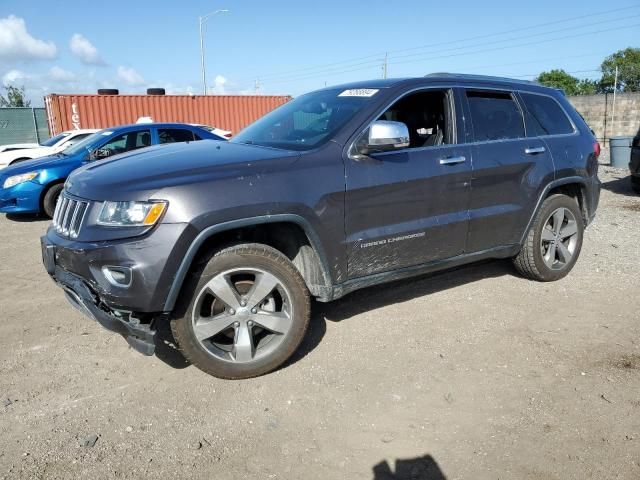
x=384, y=136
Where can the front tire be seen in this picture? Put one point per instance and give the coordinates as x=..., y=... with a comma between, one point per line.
x=245, y=312
x=51, y=199
x=554, y=241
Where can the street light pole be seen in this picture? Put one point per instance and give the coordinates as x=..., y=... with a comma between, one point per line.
x=201, y=21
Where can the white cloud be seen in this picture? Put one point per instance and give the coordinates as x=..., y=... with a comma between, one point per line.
x=61, y=75
x=16, y=43
x=12, y=77
x=129, y=76
x=219, y=84
x=84, y=50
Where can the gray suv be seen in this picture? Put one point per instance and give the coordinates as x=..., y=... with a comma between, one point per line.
x=337, y=190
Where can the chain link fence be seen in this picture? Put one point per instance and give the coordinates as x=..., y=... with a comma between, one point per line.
x=23, y=125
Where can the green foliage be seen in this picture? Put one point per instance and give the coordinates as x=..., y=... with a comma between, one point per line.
x=560, y=79
x=628, y=63
x=588, y=87
x=15, y=98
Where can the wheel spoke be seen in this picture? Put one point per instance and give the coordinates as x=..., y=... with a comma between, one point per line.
x=221, y=287
x=277, y=322
x=569, y=230
x=564, y=255
x=243, y=346
x=550, y=257
x=208, y=327
x=264, y=284
x=548, y=235
x=558, y=220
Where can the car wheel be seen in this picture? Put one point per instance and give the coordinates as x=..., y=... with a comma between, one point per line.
x=245, y=312
x=635, y=184
x=553, y=243
x=51, y=199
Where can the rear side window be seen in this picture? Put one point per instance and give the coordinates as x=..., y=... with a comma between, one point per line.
x=495, y=116
x=173, y=135
x=547, y=117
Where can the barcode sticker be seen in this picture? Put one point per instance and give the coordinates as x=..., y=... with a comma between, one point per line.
x=359, y=92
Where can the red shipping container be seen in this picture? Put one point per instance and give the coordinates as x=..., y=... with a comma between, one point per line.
x=228, y=112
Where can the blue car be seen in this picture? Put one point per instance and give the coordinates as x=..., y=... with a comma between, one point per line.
x=34, y=186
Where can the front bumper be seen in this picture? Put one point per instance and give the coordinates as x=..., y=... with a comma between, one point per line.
x=22, y=198
x=153, y=260
x=80, y=296
x=77, y=267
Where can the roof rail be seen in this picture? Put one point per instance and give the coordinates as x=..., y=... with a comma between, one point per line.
x=467, y=76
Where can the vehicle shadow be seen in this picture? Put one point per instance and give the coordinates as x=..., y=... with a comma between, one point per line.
x=391, y=293
x=354, y=304
x=421, y=468
x=27, y=217
x=166, y=347
x=620, y=186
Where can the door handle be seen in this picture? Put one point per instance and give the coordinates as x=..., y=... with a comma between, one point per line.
x=452, y=160
x=533, y=151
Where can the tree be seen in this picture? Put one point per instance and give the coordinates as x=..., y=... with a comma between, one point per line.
x=560, y=79
x=15, y=97
x=628, y=63
x=587, y=87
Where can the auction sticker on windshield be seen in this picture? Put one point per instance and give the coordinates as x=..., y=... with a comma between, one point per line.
x=359, y=92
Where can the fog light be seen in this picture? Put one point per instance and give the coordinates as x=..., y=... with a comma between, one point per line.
x=118, y=276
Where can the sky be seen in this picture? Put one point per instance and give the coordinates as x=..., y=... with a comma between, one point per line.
x=290, y=47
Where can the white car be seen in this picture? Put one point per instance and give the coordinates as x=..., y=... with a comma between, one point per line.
x=216, y=131
x=17, y=152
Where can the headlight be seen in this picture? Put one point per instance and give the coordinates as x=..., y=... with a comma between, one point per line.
x=18, y=179
x=131, y=214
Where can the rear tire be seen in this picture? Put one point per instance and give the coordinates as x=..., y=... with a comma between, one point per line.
x=51, y=199
x=554, y=241
x=635, y=184
x=246, y=312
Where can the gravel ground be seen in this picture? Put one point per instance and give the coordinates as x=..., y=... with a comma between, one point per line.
x=475, y=373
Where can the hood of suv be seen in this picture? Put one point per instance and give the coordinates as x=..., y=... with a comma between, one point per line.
x=136, y=175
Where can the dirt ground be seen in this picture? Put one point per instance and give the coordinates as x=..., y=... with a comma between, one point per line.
x=475, y=373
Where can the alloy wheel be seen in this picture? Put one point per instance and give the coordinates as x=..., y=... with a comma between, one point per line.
x=559, y=239
x=242, y=315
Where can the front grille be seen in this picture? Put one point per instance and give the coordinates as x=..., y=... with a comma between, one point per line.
x=67, y=219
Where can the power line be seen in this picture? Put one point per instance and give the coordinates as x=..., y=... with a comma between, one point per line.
x=375, y=58
x=429, y=55
x=357, y=67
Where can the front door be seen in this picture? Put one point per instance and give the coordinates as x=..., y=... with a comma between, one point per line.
x=410, y=206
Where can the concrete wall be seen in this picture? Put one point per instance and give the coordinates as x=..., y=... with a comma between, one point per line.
x=597, y=110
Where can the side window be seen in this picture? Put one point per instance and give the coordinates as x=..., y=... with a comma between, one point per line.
x=124, y=143
x=495, y=116
x=173, y=135
x=426, y=114
x=547, y=117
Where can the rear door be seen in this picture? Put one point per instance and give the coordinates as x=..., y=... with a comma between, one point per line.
x=409, y=207
x=508, y=169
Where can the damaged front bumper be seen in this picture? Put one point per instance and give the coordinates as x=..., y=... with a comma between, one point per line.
x=139, y=336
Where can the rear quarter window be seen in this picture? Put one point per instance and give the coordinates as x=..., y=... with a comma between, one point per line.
x=546, y=117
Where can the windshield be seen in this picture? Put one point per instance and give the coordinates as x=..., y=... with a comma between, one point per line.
x=307, y=121
x=53, y=140
x=88, y=144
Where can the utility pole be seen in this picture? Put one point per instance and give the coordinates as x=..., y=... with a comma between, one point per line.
x=201, y=21
x=257, y=86
x=385, y=66
x=613, y=110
